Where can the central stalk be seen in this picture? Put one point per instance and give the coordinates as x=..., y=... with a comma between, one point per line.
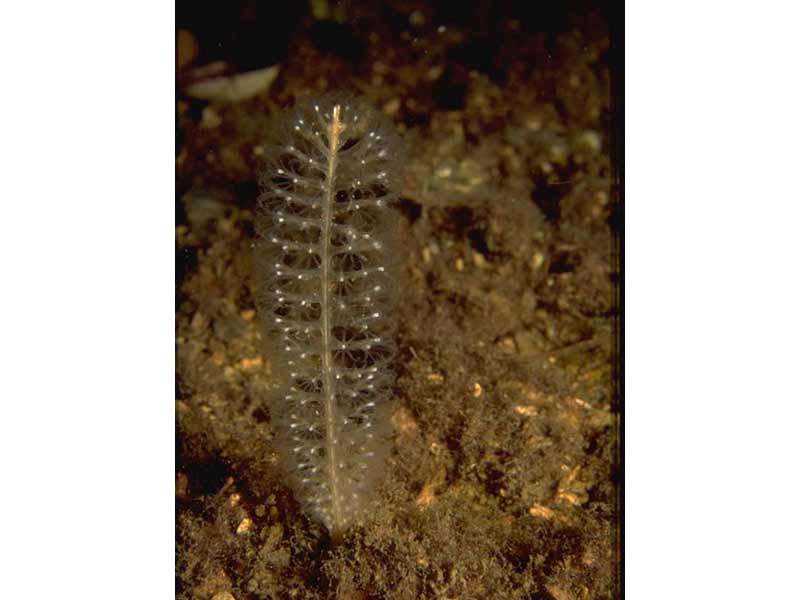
x=334, y=131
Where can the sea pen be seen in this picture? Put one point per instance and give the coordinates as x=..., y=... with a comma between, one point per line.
x=325, y=269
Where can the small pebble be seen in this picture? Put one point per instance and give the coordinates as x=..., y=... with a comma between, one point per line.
x=244, y=526
x=537, y=510
x=436, y=378
x=251, y=363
